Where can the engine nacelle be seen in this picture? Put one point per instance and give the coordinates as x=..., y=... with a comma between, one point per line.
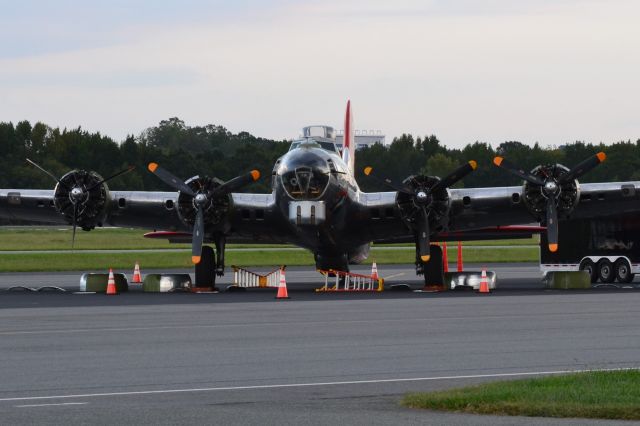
x=535, y=198
x=81, y=192
x=437, y=203
x=215, y=210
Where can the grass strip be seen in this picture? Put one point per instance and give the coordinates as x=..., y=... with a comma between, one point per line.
x=59, y=238
x=79, y=261
x=597, y=395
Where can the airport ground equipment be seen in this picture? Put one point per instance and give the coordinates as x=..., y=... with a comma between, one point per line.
x=244, y=278
x=607, y=248
x=340, y=281
x=470, y=280
x=566, y=280
x=92, y=282
x=166, y=283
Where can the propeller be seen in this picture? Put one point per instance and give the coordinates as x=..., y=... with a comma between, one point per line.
x=386, y=181
x=422, y=193
x=79, y=192
x=202, y=199
x=550, y=184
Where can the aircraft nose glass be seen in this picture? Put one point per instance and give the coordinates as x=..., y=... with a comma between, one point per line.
x=305, y=183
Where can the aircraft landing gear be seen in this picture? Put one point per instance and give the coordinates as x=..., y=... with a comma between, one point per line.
x=206, y=269
x=433, y=270
x=220, y=246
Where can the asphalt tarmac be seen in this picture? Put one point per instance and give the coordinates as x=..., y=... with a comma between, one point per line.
x=244, y=358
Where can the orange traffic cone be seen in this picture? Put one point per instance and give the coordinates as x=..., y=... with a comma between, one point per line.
x=111, y=284
x=445, y=258
x=460, y=266
x=137, y=278
x=374, y=271
x=282, y=287
x=484, y=282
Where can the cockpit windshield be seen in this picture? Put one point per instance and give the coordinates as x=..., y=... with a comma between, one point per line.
x=327, y=145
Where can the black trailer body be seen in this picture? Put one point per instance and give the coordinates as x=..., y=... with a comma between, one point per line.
x=607, y=247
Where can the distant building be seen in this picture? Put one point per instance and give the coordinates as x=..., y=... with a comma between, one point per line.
x=363, y=138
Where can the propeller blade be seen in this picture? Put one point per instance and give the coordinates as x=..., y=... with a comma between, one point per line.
x=75, y=223
x=508, y=165
x=424, y=247
x=455, y=176
x=127, y=170
x=170, y=179
x=237, y=182
x=368, y=172
x=583, y=167
x=50, y=174
x=552, y=224
x=197, y=237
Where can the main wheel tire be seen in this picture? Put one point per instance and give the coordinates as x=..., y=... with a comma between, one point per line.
x=622, y=271
x=606, y=273
x=590, y=267
x=434, y=268
x=206, y=269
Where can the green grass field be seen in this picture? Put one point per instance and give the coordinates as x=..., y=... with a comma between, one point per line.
x=59, y=238
x=601, y=395
x=79, y=261
x=29, y=239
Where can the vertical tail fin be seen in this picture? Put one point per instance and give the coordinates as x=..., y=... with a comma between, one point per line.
x=349, y=146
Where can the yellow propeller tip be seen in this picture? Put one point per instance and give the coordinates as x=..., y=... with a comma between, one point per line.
x=195, y=259
x=601, y=156
x=425, y=258
x=497, y=161
x=553, y=248
x=368, y=170
x=255, y=174
x=152, y=167
x=473, y=164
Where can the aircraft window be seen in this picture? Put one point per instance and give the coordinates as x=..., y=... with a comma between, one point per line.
x=329, y=146
x=305, y=183
x=312, y=143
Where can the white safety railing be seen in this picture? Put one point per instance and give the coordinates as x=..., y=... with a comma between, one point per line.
x=348, y=281
x=247, y=279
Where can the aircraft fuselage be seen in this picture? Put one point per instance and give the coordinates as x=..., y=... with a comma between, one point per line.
x=316, y=193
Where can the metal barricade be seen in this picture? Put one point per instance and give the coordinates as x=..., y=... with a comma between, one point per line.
x=246, y=279
x=349, y=282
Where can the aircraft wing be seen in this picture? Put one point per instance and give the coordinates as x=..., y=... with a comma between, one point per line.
x=493, y=213
x=250, y=218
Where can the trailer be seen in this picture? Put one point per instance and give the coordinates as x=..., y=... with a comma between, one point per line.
x=608, y=248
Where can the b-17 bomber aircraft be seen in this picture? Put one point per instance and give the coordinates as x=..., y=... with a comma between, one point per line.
x=315, y=203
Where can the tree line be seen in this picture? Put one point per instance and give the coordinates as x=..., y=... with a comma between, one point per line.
x=215, y=151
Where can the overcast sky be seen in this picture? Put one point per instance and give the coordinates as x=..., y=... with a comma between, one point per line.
x=465, y=70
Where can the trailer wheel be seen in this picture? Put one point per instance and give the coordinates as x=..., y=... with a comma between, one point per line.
x=590, y=267
x=623, y=271
x=605, y=271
